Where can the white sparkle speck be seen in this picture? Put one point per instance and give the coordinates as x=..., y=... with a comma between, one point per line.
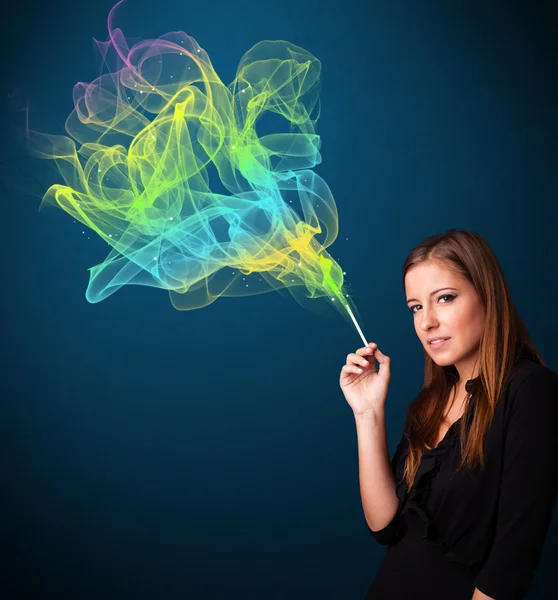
x=155, y=258
x=171, y=219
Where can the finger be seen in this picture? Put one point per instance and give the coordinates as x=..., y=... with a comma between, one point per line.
x=356, y=359
x=346, y=369
x=369, y=348
x=368, y=355
x=366, y=351
x=381, y=357
x=385, y=363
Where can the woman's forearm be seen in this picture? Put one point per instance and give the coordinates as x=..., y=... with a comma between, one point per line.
x=377, y=484
x=478, y=595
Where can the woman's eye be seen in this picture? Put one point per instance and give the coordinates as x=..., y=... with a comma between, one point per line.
x=450, y=296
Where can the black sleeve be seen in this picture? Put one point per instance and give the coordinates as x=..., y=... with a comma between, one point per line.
x=395, y=529
x=528, y=489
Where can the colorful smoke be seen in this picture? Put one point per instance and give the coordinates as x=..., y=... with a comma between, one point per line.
x=163, y=161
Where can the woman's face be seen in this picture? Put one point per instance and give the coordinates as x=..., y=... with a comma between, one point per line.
x=445, y=305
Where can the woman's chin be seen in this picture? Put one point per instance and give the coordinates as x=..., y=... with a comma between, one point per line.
x=441, y=361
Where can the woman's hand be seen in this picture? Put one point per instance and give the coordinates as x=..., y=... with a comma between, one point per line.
x=365, y=387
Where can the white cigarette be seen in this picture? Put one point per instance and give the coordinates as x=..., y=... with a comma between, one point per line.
x=356, y=324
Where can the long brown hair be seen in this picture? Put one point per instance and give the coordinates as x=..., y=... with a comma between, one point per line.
x=504, y=340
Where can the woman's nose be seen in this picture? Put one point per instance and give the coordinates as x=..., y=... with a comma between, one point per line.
x=428, y=319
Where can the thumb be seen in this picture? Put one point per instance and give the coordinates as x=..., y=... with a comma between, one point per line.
x=383, y=360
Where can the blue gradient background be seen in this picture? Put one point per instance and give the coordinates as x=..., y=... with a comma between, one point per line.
x=154, y=454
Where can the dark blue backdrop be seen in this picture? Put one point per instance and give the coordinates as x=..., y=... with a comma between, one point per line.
x=154, y=454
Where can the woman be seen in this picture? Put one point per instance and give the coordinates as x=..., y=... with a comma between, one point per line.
x=465, y=503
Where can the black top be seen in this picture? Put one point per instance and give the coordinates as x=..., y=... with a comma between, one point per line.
x=477, y=528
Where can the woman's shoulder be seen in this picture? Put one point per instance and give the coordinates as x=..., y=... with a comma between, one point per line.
x=528, y=370
x=532, y=383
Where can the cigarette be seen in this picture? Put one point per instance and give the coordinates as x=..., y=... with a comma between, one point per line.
x=356, y=324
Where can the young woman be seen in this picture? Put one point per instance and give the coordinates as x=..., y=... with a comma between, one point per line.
x=465, y=503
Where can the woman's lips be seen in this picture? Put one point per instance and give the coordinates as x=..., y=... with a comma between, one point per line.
x=436, y=345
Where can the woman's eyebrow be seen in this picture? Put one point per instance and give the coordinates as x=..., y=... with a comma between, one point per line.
x=432, y=293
